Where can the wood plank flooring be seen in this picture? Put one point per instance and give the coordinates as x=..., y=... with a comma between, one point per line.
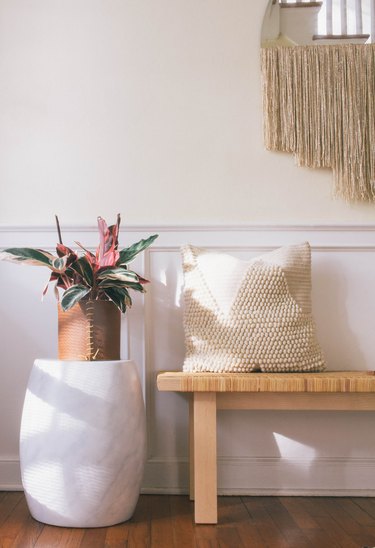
x=166, y=521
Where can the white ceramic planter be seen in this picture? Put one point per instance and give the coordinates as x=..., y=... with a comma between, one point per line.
x=83, y=442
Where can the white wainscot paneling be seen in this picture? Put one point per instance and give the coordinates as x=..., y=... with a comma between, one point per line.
x=259, y=452
x=266, y=452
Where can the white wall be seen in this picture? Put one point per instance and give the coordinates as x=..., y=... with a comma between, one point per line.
x=149, y=107
x=259, y=452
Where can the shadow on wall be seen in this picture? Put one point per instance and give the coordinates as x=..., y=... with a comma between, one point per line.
x=168, y=432
x=330, y=296
x=169, y=301
x=20, y=346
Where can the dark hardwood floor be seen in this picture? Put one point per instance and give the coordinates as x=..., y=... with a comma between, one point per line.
x=167, y=521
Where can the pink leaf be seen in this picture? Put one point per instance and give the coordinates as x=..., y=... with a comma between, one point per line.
x=143, y=280
x=54, y=276
x=62, y=250
x=106, y=253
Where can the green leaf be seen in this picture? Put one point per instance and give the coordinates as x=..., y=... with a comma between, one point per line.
x=121, y=274
x=72, y=295
x=84, y=269
x=27, y=255
x=59, y=264
x=120, y=297
x=136, y=287
x=104, y=284
x=128, y=254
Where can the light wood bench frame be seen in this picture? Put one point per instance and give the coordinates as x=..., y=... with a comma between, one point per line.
x=329, y=391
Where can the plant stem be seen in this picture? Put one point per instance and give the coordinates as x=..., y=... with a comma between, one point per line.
x=58, y=229
x=118, y=229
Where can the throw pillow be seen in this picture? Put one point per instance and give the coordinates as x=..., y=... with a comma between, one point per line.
x=249, y=315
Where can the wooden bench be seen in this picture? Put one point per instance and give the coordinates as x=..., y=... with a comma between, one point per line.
x=329, y=391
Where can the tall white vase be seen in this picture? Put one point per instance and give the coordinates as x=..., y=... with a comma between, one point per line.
x=83, y=442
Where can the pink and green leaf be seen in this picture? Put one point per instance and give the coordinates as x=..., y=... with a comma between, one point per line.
x=53, y=277
x=63, y=250
x=120, y=274
x=59, y=264
x=143, y=281
x=73, y=295
x=86, y=250
x=26, y=255
x=106, y=253
x=129, y=253
x=104, y=284
x=120, y=297
x=62, y=282
x=136, y=287
x=83, y=268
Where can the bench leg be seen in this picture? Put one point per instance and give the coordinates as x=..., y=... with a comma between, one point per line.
x=191, y=447
x=205, y=459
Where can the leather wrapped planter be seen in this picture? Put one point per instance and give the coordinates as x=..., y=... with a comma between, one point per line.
x=90, y=330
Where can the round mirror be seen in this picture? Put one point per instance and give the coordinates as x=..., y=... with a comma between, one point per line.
x=307, y=22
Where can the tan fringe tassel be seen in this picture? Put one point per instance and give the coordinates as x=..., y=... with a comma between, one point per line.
x=319, y=104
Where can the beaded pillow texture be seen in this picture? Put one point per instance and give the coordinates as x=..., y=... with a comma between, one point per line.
x=242, y=316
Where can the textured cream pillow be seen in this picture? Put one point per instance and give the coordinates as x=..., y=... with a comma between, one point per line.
x=249, y=315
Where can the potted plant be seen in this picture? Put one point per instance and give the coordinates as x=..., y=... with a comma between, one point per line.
x=95, y=290
x=83, y=428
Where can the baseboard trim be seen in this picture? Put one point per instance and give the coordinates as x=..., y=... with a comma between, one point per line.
x=270, y=476
x=268, y=492
x=249, y=476
x=10, y=475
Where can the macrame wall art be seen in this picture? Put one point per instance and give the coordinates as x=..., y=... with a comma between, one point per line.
x=319, y=104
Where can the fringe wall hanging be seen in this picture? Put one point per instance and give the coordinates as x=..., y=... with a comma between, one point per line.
x=319, y=104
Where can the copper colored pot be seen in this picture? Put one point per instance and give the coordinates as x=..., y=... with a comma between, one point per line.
x=90, y=330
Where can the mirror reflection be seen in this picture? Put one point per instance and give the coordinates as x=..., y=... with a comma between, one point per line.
x=307, y=22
